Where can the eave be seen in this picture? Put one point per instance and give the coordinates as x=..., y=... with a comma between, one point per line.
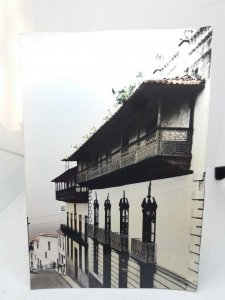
x=151, y=90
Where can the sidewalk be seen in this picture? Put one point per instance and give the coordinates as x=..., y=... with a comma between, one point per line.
x=70, y=281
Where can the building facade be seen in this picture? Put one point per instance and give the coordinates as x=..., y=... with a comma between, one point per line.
x=61, y=260
x=145, y=172
x=43, y=251
x=75, y=229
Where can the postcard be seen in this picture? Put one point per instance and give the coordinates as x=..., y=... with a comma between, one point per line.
x=115, y=130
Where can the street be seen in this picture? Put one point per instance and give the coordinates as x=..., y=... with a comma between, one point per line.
x=47, y=280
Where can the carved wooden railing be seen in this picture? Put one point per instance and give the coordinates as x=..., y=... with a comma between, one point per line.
x=73, y=194
x=143, y=252
x=119, y=242
x=159, y=142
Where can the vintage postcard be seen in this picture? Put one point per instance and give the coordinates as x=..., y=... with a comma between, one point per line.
x=115, y=129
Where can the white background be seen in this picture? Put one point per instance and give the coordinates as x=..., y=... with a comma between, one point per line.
x=89, y=15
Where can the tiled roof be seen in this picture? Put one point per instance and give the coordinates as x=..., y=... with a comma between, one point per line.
x=54, y=235
x=60, y=232
x=68, y=174
x=185, y=80
x=35, y=238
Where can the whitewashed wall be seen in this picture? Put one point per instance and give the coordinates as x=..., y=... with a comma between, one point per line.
x=61, y=248
x=173, y=222
x=39, y=251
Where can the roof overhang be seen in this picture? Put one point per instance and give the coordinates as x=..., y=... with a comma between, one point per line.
x=64, y=177
x=155, y=88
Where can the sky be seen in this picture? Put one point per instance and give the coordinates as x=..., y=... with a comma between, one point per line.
x=67, y=81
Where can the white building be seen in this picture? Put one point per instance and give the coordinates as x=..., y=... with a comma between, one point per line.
x=44, y=251
x=145, y=171
x=75, y=229
x=61, y=260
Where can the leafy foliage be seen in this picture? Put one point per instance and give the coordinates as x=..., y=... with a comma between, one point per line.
x=85, y=138
x=125, y=93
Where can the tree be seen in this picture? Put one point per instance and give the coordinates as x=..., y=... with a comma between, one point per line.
x=123, y=94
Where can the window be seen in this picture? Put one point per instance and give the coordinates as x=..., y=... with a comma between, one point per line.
x=67, y=219
x=107, y=150
x=96, y=159
x=151, y=119
x=37, y=244
x=133, y=130
x=86, y=260
x=71, y=249
x=96, y=257
x=107, y=206
x=67, y=246
x=80, y=223
x=35, y=256
x=86, y=224
x=31, y=255
x=49, y=246
x=71, y=221
x=46, y=255
x=125, y=138
x=79, y=166
x=80, y=256
x=115, y=143
x=75, y=217
x=124, y=215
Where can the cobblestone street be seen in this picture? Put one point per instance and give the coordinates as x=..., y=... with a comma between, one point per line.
x=47, y=280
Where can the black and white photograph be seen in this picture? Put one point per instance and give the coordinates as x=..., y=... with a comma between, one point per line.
x=115, y=136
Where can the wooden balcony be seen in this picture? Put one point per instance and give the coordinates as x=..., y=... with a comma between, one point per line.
x=143, y=252
x=119, y=242
x=73, y=194
x=76, y=236
x=171, y=144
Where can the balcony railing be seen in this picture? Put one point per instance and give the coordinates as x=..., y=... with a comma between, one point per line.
x=103, y=236
x=78, y=237
x=143, y=252
x=92, y=231
x=119, y=242
x=73, y=194
x=175, y=142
